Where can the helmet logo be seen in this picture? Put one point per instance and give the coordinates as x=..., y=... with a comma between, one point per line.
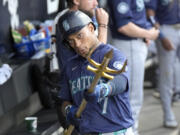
x=66, y=25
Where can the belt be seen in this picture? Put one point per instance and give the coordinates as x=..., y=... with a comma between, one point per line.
x=115, y=133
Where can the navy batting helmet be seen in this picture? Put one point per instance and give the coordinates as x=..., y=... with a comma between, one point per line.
x=72, y=21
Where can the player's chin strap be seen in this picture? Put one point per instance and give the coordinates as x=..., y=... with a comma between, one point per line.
x=99, y=70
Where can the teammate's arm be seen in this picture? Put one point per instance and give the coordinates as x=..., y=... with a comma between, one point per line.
x=102, y=20
x=132, y=30
x=166, y=43
x=151, y=15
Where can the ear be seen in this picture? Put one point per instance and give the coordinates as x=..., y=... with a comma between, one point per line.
x=91, y=27
x=76, y=2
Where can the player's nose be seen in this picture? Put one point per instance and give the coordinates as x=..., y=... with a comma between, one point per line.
x=77, y=43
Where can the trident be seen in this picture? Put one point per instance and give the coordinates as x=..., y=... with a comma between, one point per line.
x=100, y=71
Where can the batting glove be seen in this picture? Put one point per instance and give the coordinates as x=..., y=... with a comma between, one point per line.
x=100, y=92
x=70, y=111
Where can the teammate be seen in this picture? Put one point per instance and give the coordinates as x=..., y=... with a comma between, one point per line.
x=108, y=109
x=167, y=15
x=131, y=36
x=99, y=16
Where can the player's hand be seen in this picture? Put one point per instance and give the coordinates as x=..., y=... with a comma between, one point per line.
x=100, y=92
x=147, y=41
x=102, y=16
x=167, y=45
x=153, y=33
x=70, y=115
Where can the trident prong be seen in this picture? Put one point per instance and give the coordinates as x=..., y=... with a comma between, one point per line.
x=100, y=71
x=103, y=73
x=108, y=70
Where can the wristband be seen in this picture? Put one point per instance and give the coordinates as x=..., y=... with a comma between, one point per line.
x=103, y=25
x=107, y=90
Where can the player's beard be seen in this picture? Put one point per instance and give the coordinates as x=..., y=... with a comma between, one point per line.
x=89, y=13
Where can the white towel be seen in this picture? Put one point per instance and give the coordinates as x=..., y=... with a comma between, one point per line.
x=5, y=73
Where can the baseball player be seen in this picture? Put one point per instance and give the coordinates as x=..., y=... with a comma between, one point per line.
x=108, y=109
x=166, y=14
x=99, y=16
x=131, y=36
